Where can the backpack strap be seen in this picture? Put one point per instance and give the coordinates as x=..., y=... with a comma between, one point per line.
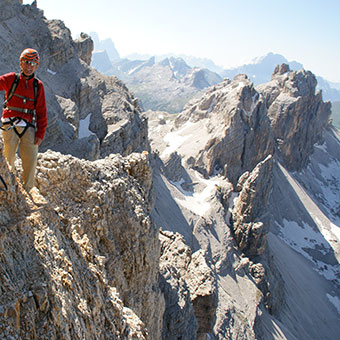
x=35, y=89
x=14, y=86
x=12, y=89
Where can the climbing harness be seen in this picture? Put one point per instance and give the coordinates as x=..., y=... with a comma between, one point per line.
x=3, y=186
x=13, y=122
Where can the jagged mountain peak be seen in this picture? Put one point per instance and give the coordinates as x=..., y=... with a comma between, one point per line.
x=260, y=69
x=106, y=45
x=178, y=66
x=224, y=151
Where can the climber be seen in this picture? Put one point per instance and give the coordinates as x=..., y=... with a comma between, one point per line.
x=24, y=117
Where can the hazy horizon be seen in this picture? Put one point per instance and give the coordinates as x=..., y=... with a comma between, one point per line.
x=227, y=32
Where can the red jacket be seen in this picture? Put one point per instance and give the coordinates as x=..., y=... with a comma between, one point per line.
x=25, y=89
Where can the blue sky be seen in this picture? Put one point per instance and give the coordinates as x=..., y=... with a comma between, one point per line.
x=230, y=33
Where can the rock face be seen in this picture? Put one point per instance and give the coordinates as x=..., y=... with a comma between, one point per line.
x=80, y=256
x=193, y=317
x=81, y=103
x=101, y=61
x=243, y=251
x=297, y=114
x=106, y=46
x=237, y=128
x=250, y=206
x=179, y=319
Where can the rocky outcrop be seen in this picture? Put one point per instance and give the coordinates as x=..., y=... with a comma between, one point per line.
x=80, y=255
x=298, y=115
x=230, y=136
x=173, y=167
x=237, y=127
x=179, y=320
x=248, y=214
x=85, y=48
x=190, y=314
x=101, y=61
x=245, y=124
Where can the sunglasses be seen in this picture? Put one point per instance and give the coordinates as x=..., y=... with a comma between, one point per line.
x=29, y=62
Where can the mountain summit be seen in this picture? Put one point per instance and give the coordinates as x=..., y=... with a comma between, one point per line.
x=260, y=69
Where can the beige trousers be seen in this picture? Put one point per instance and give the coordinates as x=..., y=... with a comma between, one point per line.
x=27, y=150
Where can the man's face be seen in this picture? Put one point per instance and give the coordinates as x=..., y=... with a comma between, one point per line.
x=28, y=67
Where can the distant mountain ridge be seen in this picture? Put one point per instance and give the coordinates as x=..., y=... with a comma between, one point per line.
x=259, y=71
x=190, y=60
x=166, y=85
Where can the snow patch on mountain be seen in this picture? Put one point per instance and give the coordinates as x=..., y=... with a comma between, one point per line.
x=190, y=137
x=199, y=202
x=335, y=301
x=84, y=124
x=175, y=139
x=304, y=239
x=317, y=187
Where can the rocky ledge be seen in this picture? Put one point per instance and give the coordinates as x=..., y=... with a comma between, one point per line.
x=80, y=255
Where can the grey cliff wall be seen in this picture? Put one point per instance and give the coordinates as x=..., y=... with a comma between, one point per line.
x=238, y=128
x=297, y=113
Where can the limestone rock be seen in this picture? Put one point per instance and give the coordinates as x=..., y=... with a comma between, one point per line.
x=297, y=113
x=176, y=257
x=179, y=320
x=80, y=255
x=85, y=47
x=203, y=291
x=237, y=127
x=173, y=167
x=249, y=229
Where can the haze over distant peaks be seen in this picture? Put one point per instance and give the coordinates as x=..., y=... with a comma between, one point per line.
x=190, y=60
x=106, y=45
x=261, y=68
x=107, y=60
